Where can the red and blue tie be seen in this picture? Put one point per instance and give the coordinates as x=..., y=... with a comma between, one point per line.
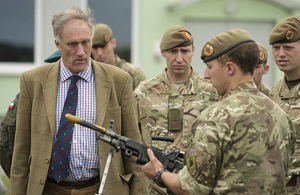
x=61, y=152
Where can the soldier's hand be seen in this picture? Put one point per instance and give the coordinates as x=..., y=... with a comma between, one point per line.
x=152, y=167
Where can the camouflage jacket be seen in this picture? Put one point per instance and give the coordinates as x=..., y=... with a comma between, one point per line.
x=289, y=101
x=164, y=110
x=7, y=135
x=137, y=75
x=264, y=89
x=244, y=144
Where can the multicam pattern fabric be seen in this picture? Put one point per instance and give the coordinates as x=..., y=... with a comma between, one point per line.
x=166, y=111
x=264, y=89
x=137, y=75
x=244, y=144
x=289, y=101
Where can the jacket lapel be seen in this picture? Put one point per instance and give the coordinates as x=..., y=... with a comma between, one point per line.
x=102, y=90
x=50, y=88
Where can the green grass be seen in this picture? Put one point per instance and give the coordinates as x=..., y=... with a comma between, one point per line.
x=6, y=183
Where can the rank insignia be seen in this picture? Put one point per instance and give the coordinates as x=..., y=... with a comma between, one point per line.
x=187, y=35
x=191, y=162
x=208, y=50
x=261, y=55
x=105, y=37
x=289, y=34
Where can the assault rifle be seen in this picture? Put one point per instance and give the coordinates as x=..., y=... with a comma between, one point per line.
x=171, y=160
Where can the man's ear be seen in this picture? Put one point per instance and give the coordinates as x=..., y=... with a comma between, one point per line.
x=266, y=68
x=162, y=53
x=57, y=45
x=114, y=43
x=230, y=68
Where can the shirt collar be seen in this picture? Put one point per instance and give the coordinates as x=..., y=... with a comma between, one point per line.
x=65, y=73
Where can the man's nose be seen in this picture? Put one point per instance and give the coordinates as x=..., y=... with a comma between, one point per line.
x=179, y=57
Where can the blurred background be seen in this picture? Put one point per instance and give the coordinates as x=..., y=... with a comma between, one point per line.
x=26, y=37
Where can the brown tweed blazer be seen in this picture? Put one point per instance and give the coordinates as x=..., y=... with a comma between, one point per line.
x=36, y=127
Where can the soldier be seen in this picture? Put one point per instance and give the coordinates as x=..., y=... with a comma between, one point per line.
x=103, y=51
x=242, y=144
x=260, y=69
x=168, y=104
x=284, y=39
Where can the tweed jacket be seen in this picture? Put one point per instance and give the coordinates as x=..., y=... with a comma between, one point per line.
x=36, y=127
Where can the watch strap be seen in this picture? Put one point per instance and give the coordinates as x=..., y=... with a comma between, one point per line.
x=157, y=178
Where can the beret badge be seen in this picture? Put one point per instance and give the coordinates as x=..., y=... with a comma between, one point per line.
x=261, y=55
x=289, y=34
x=105, y=37
x=208, y=50
x=187, y=35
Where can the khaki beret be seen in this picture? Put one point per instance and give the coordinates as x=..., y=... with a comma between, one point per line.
x=176, y=36
x=286, y=31
x=263, y=53
x=103, y=35
x=224, y=42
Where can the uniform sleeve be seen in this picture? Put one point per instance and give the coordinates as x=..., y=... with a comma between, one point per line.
x=202, y=160
x=7, y=135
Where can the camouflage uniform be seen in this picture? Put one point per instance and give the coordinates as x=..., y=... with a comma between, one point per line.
x=7, y=134
x=264, y=89
x=289, y=101
x=164, y=110
x=137, y=75
x=244, y=144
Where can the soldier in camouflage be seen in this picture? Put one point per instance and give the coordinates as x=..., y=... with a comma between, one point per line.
x=243, y=144
x=285, y=41
x=103, y=51
x=168, y=104
x=260, y=69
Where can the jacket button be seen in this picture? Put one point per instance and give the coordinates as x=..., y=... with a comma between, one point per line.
x=47, y=161
x=42, y=181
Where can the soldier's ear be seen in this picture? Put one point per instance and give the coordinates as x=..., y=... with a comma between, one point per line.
x=266, y=68
x=230, y=68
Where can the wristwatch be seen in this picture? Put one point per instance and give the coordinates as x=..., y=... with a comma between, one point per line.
x=157, y=178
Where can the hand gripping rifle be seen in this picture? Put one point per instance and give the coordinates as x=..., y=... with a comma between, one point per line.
x=172, y=161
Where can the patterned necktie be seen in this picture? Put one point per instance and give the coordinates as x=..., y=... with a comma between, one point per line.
x=61, y=152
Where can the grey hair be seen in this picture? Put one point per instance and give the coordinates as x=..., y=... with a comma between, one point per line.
x=75, y=12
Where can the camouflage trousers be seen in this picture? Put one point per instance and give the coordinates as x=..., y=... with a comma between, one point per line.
x=294, y=190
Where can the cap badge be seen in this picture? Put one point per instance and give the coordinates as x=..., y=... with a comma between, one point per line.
x=187, y=35
x=208, y=50
x=105, y=37
x=261, y=55
x=289, y=34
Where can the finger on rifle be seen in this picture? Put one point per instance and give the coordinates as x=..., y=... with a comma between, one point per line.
x=150, y=154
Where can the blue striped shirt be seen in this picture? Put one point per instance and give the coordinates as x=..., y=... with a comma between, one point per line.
x=84, y=163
